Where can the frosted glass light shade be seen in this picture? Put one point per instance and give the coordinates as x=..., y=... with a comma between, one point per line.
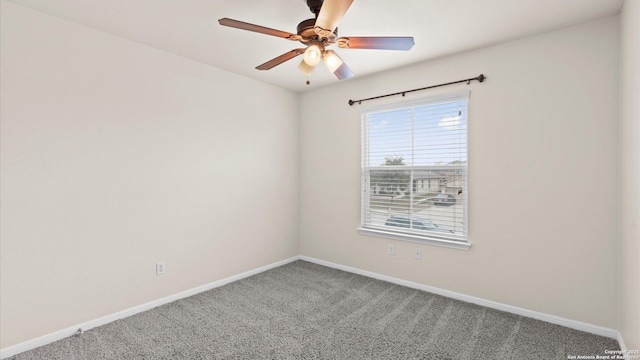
x=312, y=55
x=305, y=68
x=336, y=65
x=332, y=60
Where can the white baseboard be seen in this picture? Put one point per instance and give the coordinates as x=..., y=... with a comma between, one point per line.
x=623, y=347
x=573, y=324
x=61, y=334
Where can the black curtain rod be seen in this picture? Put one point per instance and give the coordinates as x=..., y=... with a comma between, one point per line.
x=480, y=78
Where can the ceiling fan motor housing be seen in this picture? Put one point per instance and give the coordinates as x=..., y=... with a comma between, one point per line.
x=306, y=30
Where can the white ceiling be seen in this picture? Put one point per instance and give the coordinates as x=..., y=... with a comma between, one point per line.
x=190, y=28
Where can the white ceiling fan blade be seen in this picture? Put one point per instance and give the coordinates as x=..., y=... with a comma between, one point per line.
x=330, y=15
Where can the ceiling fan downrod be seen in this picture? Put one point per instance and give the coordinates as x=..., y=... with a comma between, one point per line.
x=315, y=6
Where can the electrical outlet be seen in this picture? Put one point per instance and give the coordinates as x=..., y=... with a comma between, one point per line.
x=160, y=268
x=417, y=254
x=392, y=249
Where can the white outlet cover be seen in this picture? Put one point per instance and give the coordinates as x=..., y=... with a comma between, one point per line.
x=418, y=254
x=392, y=249
x=160, y=268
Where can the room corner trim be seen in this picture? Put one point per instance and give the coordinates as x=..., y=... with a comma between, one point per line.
x=623, y=347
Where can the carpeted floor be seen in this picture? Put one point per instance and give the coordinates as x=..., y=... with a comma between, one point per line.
x=306, y=311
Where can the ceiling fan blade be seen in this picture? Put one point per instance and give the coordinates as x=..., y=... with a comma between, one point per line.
x=376, y=42
x=330, y=15
x=257, y=28
x=280, y=59
x=343, y=72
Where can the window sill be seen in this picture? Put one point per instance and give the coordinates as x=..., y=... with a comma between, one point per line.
x=416, y=238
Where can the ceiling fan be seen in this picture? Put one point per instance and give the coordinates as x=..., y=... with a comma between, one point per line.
x=318, y=34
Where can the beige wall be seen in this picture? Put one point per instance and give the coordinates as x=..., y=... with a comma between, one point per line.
x=116, y=156
x=629, y=310
x=542, y=174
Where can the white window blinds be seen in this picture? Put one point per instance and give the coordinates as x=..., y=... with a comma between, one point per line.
x=414, y=169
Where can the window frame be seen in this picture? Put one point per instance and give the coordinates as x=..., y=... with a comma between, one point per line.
x=431, y=238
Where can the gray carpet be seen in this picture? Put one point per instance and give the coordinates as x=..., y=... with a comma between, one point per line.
x=306, y=311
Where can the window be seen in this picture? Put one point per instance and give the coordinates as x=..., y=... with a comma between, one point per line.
x=414, y=170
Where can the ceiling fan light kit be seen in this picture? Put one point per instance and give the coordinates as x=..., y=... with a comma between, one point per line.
x=332, y=60
x=319, y=33
x=313, y=54
x=336, y=65
x=306, y=68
